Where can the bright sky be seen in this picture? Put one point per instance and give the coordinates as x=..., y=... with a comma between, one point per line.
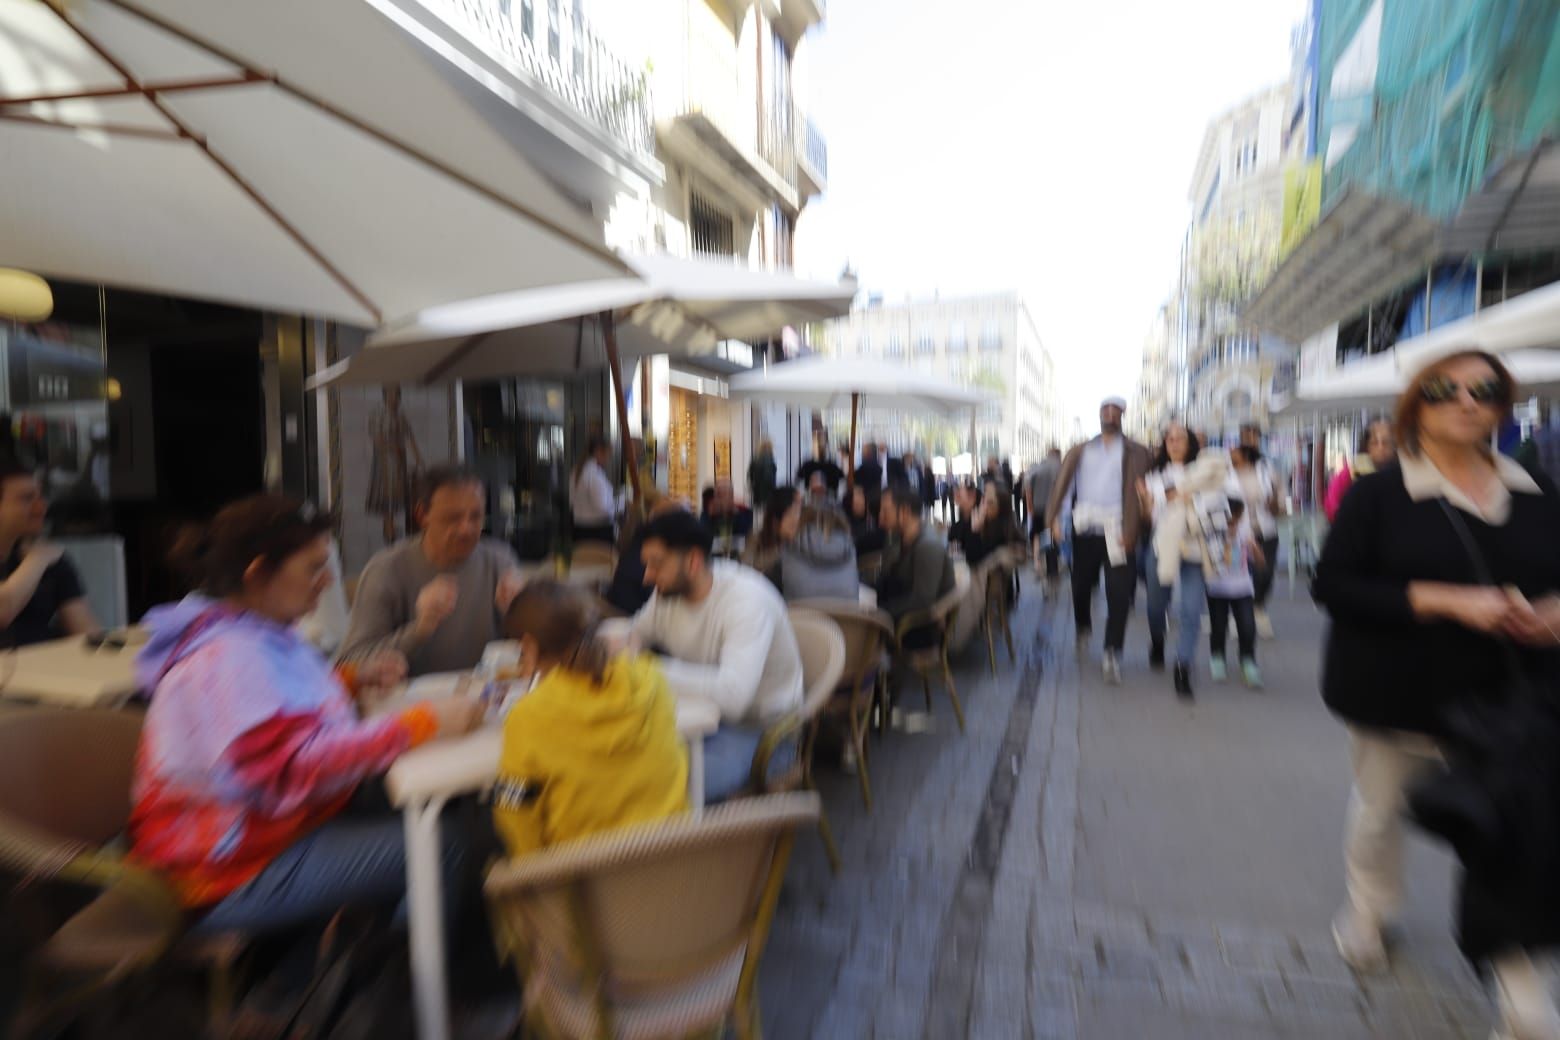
x=1039, y=145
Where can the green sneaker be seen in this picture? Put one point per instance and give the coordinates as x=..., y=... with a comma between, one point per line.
x=1218, y=670
x=1251, y=673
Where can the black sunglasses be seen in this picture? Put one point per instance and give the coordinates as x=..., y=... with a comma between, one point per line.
x=1444, y=390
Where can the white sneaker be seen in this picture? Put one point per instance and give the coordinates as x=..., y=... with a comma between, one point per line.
x=1112, y=668
x=1264, y=623
x=1359, y=942
x=848, y=764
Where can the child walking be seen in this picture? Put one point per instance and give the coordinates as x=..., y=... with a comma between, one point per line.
x=1232, y=591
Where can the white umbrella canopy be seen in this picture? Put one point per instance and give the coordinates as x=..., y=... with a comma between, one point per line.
x=826, y=382
x=1377, y=382
x=673, y=306
x=296, y=155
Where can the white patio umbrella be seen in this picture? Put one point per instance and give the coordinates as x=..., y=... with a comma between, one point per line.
x=673, y=306
x=308, y=156
x=826, y=382
x=670, y=306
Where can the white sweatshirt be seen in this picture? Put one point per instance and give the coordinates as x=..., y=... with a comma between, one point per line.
x=735, y=650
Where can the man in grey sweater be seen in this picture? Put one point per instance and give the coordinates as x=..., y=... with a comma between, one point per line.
x=437, y=597
x=917, y=572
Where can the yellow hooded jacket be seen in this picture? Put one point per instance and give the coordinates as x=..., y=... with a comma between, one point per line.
x=580, y=758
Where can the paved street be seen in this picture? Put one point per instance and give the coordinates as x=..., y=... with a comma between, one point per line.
x=1100, y=863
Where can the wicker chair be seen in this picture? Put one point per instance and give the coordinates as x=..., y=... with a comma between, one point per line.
x=64, y=798
x=823, y=662
x=868, y=632
x=651, y=931
x=932, y=659
x=993, y=576
x=593, y=554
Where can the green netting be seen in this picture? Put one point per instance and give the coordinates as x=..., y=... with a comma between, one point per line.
x=1458, y=85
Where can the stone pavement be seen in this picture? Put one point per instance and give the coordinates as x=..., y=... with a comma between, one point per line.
x=1102, y=863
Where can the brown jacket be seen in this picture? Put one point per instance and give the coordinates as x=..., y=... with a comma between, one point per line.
x=1135, y=461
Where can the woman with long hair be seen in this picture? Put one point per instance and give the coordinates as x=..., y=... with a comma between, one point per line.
x=1175, y=503
x=1252, y=481
x=594, y=744
x=782, y=519
x=1441, y=575
x=1377, y=448
x=252, y=747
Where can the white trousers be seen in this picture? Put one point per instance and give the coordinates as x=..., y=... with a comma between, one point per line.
x=1385, y=766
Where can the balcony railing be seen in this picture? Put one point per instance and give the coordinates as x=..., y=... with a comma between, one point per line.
x=777, y=143
x=816, y=149
x=573, y=62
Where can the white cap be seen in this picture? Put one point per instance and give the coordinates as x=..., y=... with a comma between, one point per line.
x=1114, y=402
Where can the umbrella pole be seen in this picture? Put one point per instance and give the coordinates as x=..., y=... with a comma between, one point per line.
x=850, y=460
x=609, y=333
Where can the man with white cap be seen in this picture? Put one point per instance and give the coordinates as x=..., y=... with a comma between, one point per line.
x=1101, y=476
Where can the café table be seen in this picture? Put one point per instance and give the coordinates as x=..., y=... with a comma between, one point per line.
x=71, y=673
x=420, y=783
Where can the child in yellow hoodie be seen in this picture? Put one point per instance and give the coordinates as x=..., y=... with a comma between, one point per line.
x=594, y=745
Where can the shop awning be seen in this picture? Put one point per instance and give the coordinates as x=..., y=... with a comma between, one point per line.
x=1518, y=207
x=1363, y=248
x=1526, y=329
x=304, y=156
x=1376, y=382
x=686, y=308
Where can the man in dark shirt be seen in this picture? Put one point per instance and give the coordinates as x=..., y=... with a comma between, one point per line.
x=41, y=597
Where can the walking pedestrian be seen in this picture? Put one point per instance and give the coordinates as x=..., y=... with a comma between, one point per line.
x=1038, y=485
x=1231, y=591
x=1253, y=483
x=1100, y=478
x=762, y=475
x=1442, y=576
x=1178, y=494
x=1377, y=448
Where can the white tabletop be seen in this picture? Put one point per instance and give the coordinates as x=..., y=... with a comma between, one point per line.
x=69, y=674
x=469, y=763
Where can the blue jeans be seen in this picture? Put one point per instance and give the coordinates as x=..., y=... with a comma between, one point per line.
x=352, y=860
x=1189, y=615
x=728, y=760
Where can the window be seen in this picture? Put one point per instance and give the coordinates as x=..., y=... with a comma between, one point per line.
x=528, y=19
x=864, y=345
x=554, y=24
x=924, y=344
x=578, y=36
x=991, y=335
x=896, y=346
x=503, y=7
x=956, y=341
x=713, y=231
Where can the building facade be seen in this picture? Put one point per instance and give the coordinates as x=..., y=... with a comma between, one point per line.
x=1434, y=162
x=1231, y=245
x=679, y=125
x=987, y=342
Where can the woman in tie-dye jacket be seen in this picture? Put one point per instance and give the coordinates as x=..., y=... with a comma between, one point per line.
x=252, y=745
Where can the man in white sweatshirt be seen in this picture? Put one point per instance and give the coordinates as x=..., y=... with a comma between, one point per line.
x=724, y=637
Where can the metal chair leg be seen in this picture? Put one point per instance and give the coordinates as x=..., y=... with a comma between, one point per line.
x=830, y=849
x=991, y=647
x=953, y=692
x=926, y=688
x=858, y=738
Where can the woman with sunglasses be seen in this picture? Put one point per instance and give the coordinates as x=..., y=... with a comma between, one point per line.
x=1441, y=576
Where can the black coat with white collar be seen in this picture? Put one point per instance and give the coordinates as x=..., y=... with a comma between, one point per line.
x=1383, y=667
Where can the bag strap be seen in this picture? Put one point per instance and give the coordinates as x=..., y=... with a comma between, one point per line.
x=1482, y=573
x=1481, y=570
